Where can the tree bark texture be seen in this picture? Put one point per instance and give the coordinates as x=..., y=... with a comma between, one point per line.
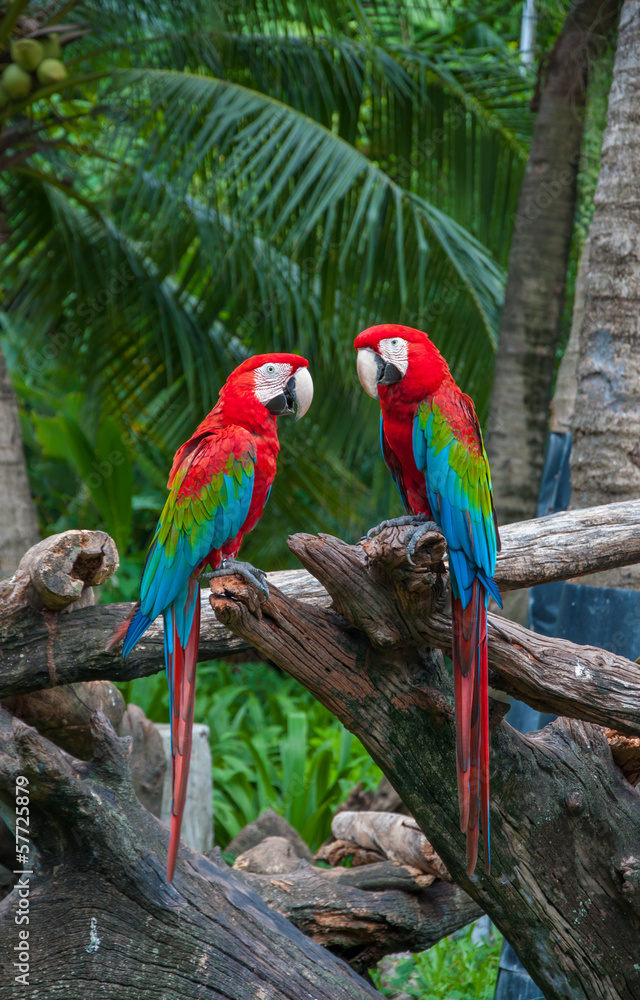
x=565, y=881
x=365, y=913
x=563, y=404
x=18, y=519
x=605, y=458
x=534, y=298
x=104, y=922
x=565, y=819
x=39, y=649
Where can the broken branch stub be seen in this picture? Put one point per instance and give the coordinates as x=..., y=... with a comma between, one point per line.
x=391, y=835
x=100, y=869
x=59, y=571
x=564, y=819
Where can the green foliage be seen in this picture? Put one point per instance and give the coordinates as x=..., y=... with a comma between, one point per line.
x=104, y=467
x=272, y=746
x=213, y=180
x=454, y=969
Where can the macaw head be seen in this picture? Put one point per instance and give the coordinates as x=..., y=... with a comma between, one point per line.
x=399, y=361
x=279, y=382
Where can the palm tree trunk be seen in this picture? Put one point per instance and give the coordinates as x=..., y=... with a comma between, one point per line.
x=18, y=520
x=605, y=462
x=534, y=300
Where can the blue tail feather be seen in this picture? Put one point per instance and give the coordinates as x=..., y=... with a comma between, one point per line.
x=137, y=627
x=491, y=587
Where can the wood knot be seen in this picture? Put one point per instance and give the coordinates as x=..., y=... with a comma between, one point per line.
x=574, y=802
x=430, y=700
x=232, y=600
x=387, y=553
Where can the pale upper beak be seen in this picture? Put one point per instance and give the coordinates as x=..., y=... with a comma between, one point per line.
x=302, y=391
x=374, y=371
x=370, y=367
x=294, y=397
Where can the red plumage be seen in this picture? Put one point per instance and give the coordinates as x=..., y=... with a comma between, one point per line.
x=427, y=384
x=219, y=483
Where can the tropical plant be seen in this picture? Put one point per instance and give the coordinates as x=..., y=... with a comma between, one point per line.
x=456, y=968
x=272, y=747
x=215, y=179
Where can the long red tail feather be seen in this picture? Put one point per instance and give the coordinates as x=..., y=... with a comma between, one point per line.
x=181, y=667
x=470, y=676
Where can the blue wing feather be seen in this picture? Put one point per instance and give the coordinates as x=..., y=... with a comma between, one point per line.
x=454, y=502
x=165, y=577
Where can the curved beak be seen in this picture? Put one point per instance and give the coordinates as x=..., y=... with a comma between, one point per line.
x=373, y=371
x=295, y=397
x=302, y=391
x=370, y=368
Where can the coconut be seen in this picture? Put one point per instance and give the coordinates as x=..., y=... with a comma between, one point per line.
x=51, y=46
x=16, y=81
x=27, y=53
x=51, y=71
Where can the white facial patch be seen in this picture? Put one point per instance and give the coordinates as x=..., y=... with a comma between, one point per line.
x=395, y=351
x=270, y=378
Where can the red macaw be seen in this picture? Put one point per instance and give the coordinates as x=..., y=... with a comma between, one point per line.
x=432, y=445
x=219, y=483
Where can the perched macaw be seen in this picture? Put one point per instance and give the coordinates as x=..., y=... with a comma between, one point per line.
x=432, y=445
x=219, y=483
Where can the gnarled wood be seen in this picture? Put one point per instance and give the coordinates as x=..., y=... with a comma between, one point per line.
x=551, y=674
x=626, y=753
x=59, y=571
x=63, y=714
x=37, y=651
x=394, y=837
x=565, y=822
x=102, y=910
x=363, y=914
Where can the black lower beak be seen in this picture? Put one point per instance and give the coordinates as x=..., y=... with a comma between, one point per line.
x=285, y=401
x=390, y=375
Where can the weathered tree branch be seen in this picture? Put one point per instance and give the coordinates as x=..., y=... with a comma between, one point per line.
x=568, y=544
x=102, y=911
x=552, y=674
x=365, y=913
x=37, y=651
x=565, y=882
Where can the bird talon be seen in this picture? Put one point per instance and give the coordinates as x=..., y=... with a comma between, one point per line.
x=416, y=535
x=256, y=577
x=398, y=522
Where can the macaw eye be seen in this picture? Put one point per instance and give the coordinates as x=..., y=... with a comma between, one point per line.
x=394, y=342
x=271, y=369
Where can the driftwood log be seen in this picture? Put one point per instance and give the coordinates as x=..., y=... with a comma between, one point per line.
x=363, y=914
x=387, y=836
x=565, y=882
x=579, y=682
x=102, y=913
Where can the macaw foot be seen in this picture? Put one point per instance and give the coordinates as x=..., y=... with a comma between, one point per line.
x=421, y=526
x=256, y=577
